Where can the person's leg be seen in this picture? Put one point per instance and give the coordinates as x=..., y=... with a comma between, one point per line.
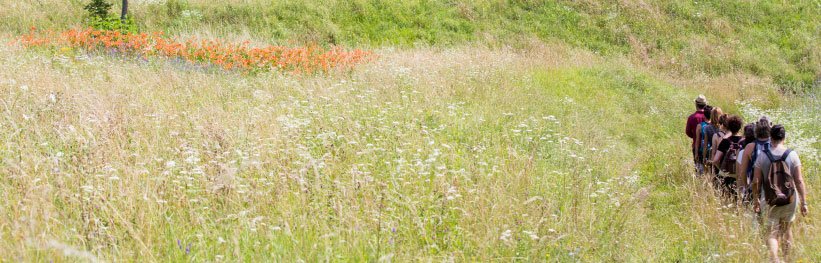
x=786, y=240
x=730, y=182
x=773, y=228
x=695, y=160
x=728, y=190
x=772, y=243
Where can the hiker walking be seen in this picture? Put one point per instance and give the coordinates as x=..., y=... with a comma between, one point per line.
x=751, y=153
x=702, y=129
x=691, y=129
x=721, y=134
x=708, y=134
x=741, y=173
x=727, y=154
x=777, y=174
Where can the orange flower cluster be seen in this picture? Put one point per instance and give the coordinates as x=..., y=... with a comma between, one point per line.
x=229, y=56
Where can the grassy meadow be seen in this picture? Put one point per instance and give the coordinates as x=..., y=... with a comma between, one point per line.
x=484, y=131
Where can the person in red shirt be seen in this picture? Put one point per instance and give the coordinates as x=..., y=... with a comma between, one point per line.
x=692, y=126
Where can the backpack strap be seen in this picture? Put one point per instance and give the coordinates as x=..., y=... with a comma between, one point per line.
x=785, y=155
x=754, y=154
x=769, y=155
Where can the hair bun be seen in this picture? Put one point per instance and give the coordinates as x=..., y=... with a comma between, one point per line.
x=778, y=132
x=764, y=121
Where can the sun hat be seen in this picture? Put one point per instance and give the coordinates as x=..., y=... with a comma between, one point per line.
x=701, y=100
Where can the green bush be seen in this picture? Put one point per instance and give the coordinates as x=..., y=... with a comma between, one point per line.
x=113, y=23
x=99, y=18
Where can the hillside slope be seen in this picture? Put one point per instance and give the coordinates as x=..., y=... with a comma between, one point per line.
x=467, y=140
x=764, y=38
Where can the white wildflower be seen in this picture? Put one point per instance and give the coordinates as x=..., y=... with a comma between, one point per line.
x=506, y=235
x=531, y=234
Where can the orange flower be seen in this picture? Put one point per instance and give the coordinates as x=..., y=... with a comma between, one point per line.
x=298, y=60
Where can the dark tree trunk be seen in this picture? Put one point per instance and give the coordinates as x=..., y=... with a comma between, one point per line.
x=124, y=11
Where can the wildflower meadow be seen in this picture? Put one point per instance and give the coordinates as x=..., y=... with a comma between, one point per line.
x=391, y=131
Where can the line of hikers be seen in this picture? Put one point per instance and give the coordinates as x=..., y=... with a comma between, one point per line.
x=750, y=168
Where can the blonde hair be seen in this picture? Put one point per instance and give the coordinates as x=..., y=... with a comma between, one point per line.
x=716, y=116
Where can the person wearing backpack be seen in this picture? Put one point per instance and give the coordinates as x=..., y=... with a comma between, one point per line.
x=710, y=133
x=720, y=134
x=777, y=173
x=726, y=155
x=751, y=152
x=741, y=174
x=691, y=129
x=700, y=131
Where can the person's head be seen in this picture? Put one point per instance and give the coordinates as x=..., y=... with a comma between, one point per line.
x=717, y=112
x=762, y=128
x=778, y=133
x=749, y=133
x=733, y=123
x=722, y=121
x=708, y=112
x=701, y=102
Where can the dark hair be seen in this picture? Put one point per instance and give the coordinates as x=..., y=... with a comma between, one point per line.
x=749, y=133
x=722, y=120
x=700, y=106
x=733, y=123
x=778, y=132
x=762, y=128
x=708, y=111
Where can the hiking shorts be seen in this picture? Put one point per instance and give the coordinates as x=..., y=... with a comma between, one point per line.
x=778, y=214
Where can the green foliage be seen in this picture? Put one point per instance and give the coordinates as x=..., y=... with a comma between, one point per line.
x=113, y=23
x=98, y=8
x=590, y=160
x=776, y=40
x=712, y=37
x=99, y=18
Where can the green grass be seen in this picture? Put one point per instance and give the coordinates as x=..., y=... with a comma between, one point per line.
x=452, y=146
x=765, y=38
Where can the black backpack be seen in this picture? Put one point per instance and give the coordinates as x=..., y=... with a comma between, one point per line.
x=728, y=162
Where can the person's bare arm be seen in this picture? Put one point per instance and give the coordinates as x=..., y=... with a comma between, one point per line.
x=717, y=157
x=755, y=186
x=802, y=192
x=741, y=170
x=688, y=128
x=698, y=138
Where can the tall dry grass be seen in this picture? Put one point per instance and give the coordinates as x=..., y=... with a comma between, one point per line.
x=462, y=154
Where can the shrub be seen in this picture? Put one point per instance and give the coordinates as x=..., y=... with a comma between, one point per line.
x=112, y=23
x=100, y=19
